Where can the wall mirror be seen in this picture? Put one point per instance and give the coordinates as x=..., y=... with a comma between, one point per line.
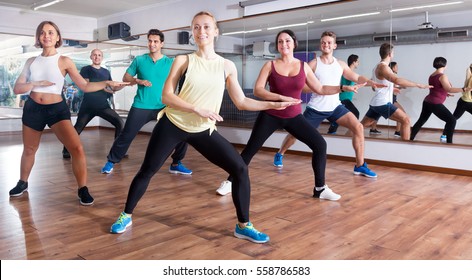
x=249, y=42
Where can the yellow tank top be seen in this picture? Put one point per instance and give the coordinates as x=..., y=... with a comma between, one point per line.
x=203, y=87
x=467, y=96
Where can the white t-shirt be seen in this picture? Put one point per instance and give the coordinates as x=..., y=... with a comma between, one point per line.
x=330, y=75
x=382, y=95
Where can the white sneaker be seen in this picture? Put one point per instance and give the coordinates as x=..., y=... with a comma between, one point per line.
x=225, y=188
x=328, y=194
x=443, y=139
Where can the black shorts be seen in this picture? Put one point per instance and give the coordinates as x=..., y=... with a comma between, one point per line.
x=37, y=116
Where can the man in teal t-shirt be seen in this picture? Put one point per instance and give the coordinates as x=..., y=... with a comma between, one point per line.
x=346, y=96
x=151, y=71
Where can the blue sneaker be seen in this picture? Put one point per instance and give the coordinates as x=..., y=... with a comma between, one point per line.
x=365, y=171
x=251, y=234
x=443, y=139
x=278, y=160
x=123, y=222
x=179, y=169
x=108, y=168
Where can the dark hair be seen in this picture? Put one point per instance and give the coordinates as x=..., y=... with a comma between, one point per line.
x=392, y=64
x=289, y=33
x=40, y=28
x=439, y=62
x=352, y=58
x=156, y=32
x=385, y=50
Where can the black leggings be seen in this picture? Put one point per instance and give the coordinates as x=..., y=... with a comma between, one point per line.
x=442, y=113
x=461, y=108
x=136, y=119
x=300, y=128
x=214, y=147
x=85, y=115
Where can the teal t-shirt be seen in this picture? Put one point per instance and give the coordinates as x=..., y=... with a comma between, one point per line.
x=347, y=95
x=156, y=72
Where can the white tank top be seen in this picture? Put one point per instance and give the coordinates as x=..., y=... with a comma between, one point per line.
x=330, y=75
x=46, y=68
x=382, y=95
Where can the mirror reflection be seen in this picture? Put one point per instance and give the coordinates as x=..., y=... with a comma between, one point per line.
x=418, y=37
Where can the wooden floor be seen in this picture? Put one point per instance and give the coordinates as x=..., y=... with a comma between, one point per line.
x=401, y=215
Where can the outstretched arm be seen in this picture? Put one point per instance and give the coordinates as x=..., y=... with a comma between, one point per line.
x=244, y=103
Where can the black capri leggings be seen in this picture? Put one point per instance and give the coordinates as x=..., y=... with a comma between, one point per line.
x=300, y=128
x=214, y=147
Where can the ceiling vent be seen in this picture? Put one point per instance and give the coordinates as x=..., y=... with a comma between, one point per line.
x=386, y=38
x=451, y=34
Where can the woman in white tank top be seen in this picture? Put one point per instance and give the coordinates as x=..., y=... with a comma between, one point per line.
x=44, y=77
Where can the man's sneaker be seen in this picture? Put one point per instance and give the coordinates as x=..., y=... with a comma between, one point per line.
x=225, y=188
x=179, y=169
x=375, y=131
x=326, y=193
x=278, y=160
x=397, y=134
x=84, y=197
x=108, y=168
x=19, y=189
x=443, y=139
x=333, y=128
x=123, y=222
x=65, y=153
x=251, y=234
x=364, y=170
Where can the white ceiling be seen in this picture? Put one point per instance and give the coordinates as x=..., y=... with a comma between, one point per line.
x=104, y=8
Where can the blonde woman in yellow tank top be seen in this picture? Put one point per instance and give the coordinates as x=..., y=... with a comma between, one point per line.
x=191, y=117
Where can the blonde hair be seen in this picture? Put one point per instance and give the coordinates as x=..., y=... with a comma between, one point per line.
x=205, y=13
x=468, y=76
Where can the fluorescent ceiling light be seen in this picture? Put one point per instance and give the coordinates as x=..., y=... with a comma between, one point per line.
x=243, y=4
x=242, y=32
x=43, y=4
x=286, y=26
x=350, y=16
x=426, y=6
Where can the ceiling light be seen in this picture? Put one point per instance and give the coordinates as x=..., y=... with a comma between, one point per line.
x=350, y=16
x=426, y=6
x=242, y=32
x=43, y=4
x=286, y=26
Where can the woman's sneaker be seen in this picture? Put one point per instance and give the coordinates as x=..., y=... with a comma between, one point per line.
x=443, y=139
x=19, y=189
x=225, y=188
x=123, y=222
x=397, y=134
x=250, y=233
x=326, y=193
x=84, y=197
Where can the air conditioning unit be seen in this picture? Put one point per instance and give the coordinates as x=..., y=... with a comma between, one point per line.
x=261, y=49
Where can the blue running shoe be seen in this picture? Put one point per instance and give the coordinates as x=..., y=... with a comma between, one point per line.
x=365, y=171
x=278, y=160
x=108, y=168
x=251, y=234
x=443, y=139
x=179, y=169
x=123, y=222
